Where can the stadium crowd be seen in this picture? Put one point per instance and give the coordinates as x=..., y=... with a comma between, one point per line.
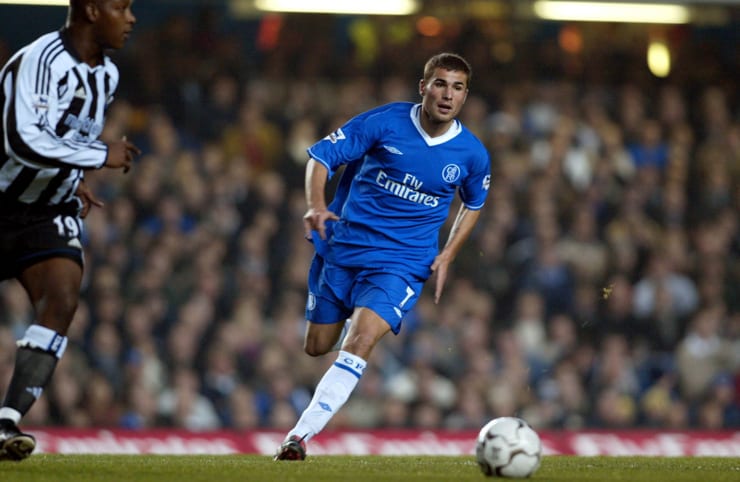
x=600, y=289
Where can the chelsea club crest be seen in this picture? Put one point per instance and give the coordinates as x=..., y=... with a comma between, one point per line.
x=451, y=173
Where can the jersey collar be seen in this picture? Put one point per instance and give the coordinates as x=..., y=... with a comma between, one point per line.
x=452, y=132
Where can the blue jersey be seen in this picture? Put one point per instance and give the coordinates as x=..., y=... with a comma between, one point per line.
x=395, y=192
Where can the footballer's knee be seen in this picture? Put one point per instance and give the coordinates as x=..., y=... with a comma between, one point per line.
x=315, y=348
x=360, y=344
x=56, y=306
x=321, y=338
x=54, y=288
x=58, y=311
x=317, y=343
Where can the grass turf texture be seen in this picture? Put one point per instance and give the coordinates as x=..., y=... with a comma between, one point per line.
x=257, y=468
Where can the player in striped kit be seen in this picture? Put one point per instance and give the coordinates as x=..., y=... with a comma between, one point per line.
x=54, y=94
x=376, y=243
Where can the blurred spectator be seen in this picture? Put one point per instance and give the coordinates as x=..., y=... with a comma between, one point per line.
x=141, y=409
x=649, y=151
x=242, y=413
x=662, y=299
x=704, y=354
x=183, y=406
x=102, y=406
x=581, y=248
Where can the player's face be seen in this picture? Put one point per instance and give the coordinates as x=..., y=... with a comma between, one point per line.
x=114, y=22
x=443, y=94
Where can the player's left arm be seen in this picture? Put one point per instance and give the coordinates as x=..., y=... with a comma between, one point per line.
x=473, y=192
x=461, y=228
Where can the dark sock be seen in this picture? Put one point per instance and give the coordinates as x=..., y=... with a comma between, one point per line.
x=33, y=370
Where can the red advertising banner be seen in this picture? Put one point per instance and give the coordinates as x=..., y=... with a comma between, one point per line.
x=381, y=442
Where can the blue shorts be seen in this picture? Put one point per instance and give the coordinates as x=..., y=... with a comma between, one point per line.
x=335, y=291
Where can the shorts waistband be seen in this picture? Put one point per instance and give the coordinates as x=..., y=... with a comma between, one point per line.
x=14, y=207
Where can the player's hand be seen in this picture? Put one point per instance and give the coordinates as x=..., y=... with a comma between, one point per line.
x=315, y=220
x=87, y=197
x=440, y=268
x=121, y=154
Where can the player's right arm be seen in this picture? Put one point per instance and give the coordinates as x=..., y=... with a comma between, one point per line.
x=30, y=84
x=317, y=213
x=345, y=146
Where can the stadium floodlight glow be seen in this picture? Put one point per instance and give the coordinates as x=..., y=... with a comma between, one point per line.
x=659, y=58
x=40, y=3
x=351, y=7
x=612, y=12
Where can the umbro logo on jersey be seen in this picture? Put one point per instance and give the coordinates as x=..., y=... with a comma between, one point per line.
x=393, y=150
x=80, y=93
x=75, y=243
x=335, y=136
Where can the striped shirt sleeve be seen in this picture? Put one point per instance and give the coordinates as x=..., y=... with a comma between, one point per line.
x=34, y=111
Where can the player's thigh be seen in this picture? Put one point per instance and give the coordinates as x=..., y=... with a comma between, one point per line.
x=320, y=338
x=53, y=285
x=47, y=258
x=365, y=330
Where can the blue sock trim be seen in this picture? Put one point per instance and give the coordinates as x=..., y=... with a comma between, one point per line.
x=345, y=367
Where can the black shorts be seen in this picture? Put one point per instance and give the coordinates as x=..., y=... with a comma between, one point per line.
x=30, y=234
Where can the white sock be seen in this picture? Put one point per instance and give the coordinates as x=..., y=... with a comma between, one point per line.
x=333, y=390
x=10, y=413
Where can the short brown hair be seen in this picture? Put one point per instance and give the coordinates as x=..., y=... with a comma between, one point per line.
x=447, y=61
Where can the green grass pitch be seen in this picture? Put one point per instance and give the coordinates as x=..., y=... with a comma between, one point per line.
x=336, y=468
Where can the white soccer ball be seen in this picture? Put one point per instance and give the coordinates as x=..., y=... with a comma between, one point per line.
x=508, y=447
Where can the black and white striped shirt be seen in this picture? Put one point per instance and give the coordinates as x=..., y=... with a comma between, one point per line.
x=54, y=109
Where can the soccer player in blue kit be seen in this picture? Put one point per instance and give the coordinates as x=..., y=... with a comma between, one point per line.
x=377, y=242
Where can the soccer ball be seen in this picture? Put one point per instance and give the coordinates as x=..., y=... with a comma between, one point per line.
x=508, y=447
